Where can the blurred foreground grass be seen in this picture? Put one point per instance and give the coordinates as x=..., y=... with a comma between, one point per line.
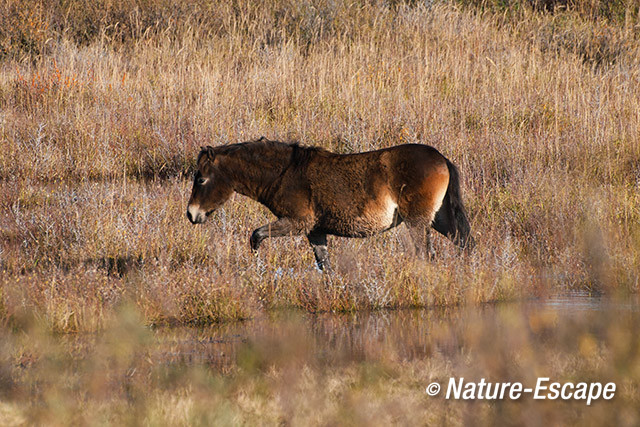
x=353, y=369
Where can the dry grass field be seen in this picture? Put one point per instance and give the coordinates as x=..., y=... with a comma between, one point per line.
x=104, y=106
x=103, y=109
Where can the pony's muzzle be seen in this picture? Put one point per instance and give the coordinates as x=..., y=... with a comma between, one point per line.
x=196, y=215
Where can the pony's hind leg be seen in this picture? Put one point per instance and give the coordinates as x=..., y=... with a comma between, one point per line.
x=418, y=203
x=319, y=245
x=419, y=215
x=420, y=231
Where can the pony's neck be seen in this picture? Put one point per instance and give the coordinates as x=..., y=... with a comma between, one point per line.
x=252, y=168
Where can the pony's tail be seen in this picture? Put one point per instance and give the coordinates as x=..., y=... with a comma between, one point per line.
x=459, y=229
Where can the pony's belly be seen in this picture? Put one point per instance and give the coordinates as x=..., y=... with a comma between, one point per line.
x=375, y=218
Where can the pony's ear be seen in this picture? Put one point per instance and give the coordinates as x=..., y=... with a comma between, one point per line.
x=205, y=151
x=208, y=150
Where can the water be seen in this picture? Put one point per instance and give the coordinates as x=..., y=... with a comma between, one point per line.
x=578, y=302
x=338, y=339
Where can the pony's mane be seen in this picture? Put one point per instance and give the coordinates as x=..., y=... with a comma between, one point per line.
x=300, y=155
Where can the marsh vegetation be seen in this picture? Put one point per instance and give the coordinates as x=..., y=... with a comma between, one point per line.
x=104, y=106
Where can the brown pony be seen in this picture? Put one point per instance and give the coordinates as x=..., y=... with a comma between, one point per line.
x=315, y=192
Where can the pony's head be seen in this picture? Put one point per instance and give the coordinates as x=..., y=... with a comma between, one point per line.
x=210, y=187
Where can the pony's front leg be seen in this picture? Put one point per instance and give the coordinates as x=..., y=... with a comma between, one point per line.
x=279, y=228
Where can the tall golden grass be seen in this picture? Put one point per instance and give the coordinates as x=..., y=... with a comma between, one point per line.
x=104, y=105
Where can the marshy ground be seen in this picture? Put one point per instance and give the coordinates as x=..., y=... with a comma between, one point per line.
x=103, y=108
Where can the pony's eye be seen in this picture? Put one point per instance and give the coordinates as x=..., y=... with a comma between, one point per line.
x=201, y=181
